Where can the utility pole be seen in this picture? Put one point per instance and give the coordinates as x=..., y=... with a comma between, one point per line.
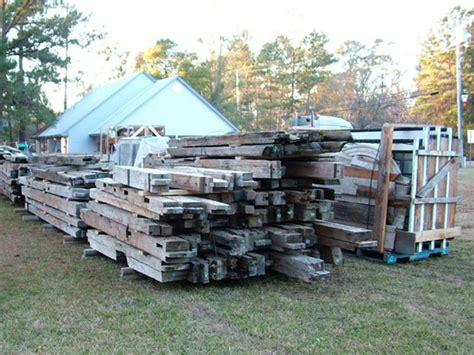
x=237, y=90
x=459, y=90
x=66, y=79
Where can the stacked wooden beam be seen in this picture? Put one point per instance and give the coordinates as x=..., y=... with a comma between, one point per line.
x=65, y=159
x=152, y=218
x=140, y=210
x=12, y=166
x=290, y=163
x=56, y=192
x=238, y=213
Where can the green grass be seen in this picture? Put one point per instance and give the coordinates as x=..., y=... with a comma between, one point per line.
x=52, y=301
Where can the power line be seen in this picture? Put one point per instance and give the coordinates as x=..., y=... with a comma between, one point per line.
x=384, y=103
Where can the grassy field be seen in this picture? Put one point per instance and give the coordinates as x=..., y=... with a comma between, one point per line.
x=52, y=301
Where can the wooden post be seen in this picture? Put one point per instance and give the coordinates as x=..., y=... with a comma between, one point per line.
x=383, y=180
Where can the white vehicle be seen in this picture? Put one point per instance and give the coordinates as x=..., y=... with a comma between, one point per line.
x=321, y=122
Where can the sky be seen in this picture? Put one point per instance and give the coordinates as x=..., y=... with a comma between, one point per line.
x=136, y=25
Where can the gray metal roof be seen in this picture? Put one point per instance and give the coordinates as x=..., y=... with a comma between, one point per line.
x=88, y=105
x=115, y=118
x=120, y=116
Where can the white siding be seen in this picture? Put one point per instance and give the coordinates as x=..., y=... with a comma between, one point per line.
x=180, y=111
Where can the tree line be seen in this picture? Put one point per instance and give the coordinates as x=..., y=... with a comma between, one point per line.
x=256, y=89
x=267, y=89
x=35, y=42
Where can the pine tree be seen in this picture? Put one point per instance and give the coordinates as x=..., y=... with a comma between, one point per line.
x=33, y=35
x=436, y=79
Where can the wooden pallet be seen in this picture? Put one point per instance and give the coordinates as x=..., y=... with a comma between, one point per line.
x=427, y=251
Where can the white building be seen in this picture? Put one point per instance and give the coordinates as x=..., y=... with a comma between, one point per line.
x=136, y=100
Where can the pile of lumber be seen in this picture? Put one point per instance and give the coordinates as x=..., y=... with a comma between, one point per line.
x=400, y=182
x=13, y=164
x=356, y=194
x=222, y=207
x=57, y=188
x=306, y=174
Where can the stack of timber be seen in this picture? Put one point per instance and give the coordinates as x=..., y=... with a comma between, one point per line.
x=291, y=170
x=57, y=188
x=401, y=182
x=171, y=224
x=12, y=165
x=306, y=174
x=150, y=217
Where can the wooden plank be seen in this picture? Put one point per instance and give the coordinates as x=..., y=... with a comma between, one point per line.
x=418, y=185
x=137, y=260
x=331, y=255
x=442, y=185
x=383, y=179
x=56, y=176
x=406, y=242
x=212, y=207
x=192, y=182
x=351, y=246
x=73, y=221
x=430, y=170
x=158, y=204
x=314, y=169
x=199, y=271
x=226, y=243
x=251, y=151
x=296, y=196
x=302, y=267
x=249, y=138
x=453, y=191
x=160, y=180
x=437, y=200
x=105, y=225
x=350, y=171
x=283, y=240
x=130, y=220
x=429, y=235
x=341, y=231
x=153, y=210
x=306, y=212
x=71, y=207
x=73, y=193
x=121, y=175
x=65, y=159
x=307, y=133
x=110, y=199
x=164, y=248
x=152, y=180
x=230, y=178
x=30, y=218
x=260, y=169
x=60, y=224
x=169, y=249
x=429, y=186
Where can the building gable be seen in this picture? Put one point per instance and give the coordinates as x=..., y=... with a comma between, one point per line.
x=100, y=102
x=174, y=104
